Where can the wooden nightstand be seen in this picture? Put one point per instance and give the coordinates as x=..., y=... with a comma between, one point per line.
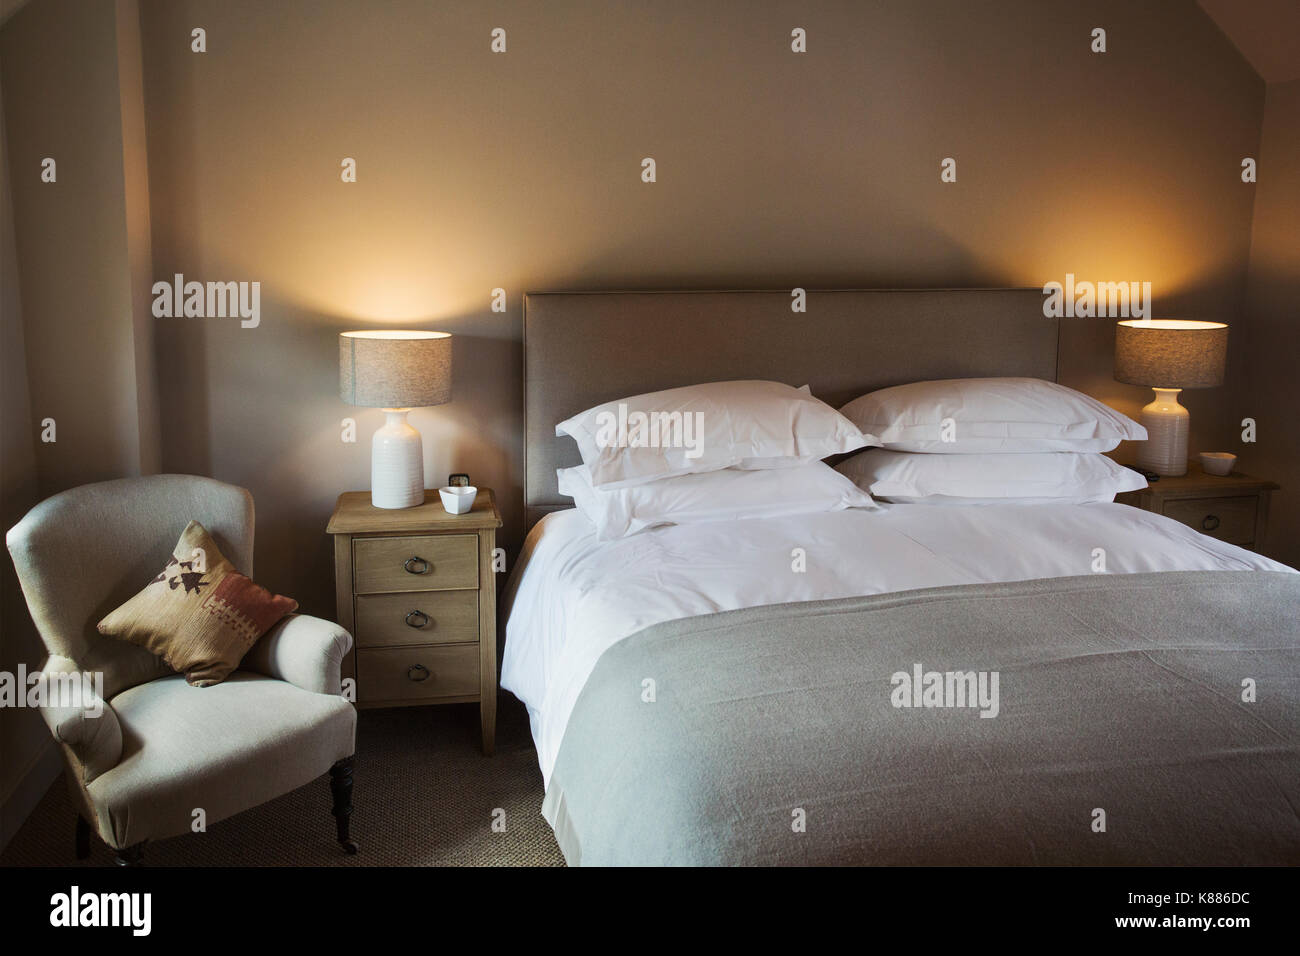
x=416, y=588
x=1233, y=508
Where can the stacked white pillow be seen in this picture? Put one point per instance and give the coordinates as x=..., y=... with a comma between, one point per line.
x=707, y=453
x=726, y=494
x=983, y=440
x=751, y=425
x=1035, y=477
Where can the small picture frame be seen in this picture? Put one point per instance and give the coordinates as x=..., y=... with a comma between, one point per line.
x=458, y=480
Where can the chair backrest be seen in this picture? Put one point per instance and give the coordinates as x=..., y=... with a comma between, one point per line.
x=83, y=552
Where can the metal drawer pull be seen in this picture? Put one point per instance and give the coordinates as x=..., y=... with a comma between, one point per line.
x=421, y=619
x=1210, y=522
x=423, y=568
x=417, y=673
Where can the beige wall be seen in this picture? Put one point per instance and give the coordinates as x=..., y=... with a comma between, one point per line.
x=774, y=169
x=64, y=99
x=139, y=238
x=23, y=736
x=1273, y=333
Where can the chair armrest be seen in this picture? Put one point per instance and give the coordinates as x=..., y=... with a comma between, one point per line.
x=306, y=651
x=80, y=718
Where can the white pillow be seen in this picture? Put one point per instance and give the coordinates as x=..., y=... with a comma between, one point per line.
x=990, y=415
x=710, y=496
x=904, y=476
x=752, y=425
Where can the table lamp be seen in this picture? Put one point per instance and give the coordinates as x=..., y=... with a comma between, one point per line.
x=396, y=371
x=1168, y=355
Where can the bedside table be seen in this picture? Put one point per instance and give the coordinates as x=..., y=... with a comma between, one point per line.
x=1232, y=508
x=415, y=587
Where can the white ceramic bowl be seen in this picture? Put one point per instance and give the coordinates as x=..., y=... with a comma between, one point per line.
x=1217, y=462
x=457, y=501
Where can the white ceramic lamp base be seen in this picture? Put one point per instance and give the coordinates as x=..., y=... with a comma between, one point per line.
x=1165, y=450
x=396, y=463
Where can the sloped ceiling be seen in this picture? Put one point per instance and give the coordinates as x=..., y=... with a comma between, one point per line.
x=1267, y=32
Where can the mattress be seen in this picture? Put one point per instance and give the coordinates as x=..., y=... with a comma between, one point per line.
x=571, y=598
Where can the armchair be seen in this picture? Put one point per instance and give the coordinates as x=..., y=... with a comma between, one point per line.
x=141, y=760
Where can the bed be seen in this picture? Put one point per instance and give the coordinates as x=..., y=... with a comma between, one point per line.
x=695, y=699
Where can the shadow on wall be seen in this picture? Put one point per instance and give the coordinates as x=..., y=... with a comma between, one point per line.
x=183, y=402
x=1273, y=400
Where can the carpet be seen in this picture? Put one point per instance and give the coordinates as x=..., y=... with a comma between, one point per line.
x=424, y=796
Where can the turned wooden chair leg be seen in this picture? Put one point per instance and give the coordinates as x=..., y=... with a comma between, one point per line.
x=341, y=789
x=131, y=855
x=83, y=838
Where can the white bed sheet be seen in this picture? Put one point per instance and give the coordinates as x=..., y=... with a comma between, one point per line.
x=571, y=597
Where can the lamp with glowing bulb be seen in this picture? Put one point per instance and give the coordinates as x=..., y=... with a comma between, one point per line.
x=1169, y=355
x=395, y=370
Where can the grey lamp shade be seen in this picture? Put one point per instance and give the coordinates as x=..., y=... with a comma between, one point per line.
x=395, y=368
x=1170, y=353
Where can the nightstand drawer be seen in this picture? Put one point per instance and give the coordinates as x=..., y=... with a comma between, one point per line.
x=418, y=673
x=1228, y=519
x=415, y=563
x=420, y=617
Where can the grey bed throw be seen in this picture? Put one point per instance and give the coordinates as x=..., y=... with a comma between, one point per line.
x=1112, y=719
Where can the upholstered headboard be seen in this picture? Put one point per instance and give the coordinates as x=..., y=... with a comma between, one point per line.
x=581, y=349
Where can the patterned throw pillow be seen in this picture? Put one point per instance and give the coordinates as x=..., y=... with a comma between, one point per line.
x=200, y=615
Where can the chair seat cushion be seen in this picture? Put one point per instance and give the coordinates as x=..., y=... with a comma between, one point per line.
x=222, y=749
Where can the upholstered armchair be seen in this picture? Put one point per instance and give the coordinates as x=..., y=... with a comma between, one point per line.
x=154, y=750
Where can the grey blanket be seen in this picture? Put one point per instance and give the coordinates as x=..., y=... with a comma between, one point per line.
x=1137, y=719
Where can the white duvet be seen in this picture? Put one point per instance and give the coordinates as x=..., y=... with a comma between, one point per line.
x=571, y=596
